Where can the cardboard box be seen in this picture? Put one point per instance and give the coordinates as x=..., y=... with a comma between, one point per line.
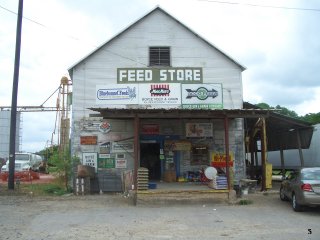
x=169, y=176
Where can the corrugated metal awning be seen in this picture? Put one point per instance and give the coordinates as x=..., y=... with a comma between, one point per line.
x=281, y=130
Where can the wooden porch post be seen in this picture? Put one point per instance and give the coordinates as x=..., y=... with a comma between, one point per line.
x=263, y=153
x=136, y=158
x=226, y=136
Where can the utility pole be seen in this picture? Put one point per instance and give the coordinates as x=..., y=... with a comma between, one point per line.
x=12, y=148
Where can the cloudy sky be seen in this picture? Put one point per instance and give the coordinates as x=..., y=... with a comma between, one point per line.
x=276, y=40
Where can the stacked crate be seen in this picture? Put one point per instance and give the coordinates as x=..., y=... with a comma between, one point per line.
x=109, y=180
x=143, y=178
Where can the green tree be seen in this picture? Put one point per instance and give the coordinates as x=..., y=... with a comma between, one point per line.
x=282, y=110
x=263, y=106
x=46, y=153
x=61, y=164
x=287, y=112
x=313, y=118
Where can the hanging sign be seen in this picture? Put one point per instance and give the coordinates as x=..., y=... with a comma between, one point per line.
x=199, y=130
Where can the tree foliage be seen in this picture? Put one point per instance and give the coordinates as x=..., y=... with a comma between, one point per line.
x=48, y=152
x=312, y=118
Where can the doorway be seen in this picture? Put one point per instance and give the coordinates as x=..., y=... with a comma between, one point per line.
x=149, y=158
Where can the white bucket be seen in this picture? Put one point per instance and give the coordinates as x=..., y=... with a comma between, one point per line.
x=245, y=191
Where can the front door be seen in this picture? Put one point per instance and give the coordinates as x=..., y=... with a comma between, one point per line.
x=149, y=158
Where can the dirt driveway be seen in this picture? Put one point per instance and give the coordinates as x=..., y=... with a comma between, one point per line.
x=114, y=217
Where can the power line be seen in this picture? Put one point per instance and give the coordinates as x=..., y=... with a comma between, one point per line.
x=74, y=38
x=262, y=6
x=134, y=60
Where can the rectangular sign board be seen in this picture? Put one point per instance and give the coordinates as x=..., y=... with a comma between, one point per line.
x=143, y=94
x=90, y=159
x=159, y=75
x=202, y=96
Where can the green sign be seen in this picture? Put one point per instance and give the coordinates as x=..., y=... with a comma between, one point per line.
x=159, y=75
x=106, y=163
x=202, y=106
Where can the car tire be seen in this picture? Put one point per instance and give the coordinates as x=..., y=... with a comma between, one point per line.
x=295, y=205
x=283, y=197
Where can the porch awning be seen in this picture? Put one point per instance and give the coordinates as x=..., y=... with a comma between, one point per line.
x=282, y=131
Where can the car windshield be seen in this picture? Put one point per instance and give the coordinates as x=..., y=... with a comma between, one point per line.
x=22, y=157
x=311, y=175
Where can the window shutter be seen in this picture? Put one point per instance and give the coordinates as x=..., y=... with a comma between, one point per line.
x=159, y=56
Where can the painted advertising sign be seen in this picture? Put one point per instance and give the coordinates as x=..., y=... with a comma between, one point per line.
x=202, y=96
x=199, y=130
x=177, y=145
x=150, y=129
x=123, y=146
x=143, y=94
x=90, y=159
x=106, y=162
x=116, y=94
x=121, y=163
x=104, y=127
x=159, y=75
x=164, y=94
x=88, y=140
x=220, y=159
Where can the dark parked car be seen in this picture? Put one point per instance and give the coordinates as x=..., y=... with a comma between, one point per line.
x=302, y=187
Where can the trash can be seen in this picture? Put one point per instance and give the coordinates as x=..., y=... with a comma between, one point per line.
x=248, y=186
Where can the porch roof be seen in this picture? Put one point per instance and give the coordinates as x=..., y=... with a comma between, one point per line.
x=282, y=131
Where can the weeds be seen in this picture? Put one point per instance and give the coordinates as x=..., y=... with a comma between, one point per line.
x=245, y=202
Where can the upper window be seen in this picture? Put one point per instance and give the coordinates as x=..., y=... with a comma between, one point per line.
x=159, y=56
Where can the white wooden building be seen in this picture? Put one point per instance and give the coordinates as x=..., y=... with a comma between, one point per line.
x=157, y=63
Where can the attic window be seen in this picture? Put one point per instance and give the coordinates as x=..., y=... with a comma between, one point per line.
x=159, y=56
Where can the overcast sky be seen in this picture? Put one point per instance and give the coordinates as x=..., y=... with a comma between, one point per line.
x=278, y=42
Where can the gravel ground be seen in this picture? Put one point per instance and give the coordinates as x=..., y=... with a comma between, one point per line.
x=111, y=216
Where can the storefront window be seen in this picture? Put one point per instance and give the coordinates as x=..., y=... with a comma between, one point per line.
x=199, y=155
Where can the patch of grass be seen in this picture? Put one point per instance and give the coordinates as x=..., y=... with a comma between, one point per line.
x=47, y=189
x=245, y=202
x=43, y=189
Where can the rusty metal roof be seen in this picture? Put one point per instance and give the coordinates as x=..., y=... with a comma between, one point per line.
x=281, y=130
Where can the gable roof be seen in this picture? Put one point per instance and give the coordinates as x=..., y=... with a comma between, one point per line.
x=141, y=19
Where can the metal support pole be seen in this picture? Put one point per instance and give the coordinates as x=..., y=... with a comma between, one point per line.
x=13, y=120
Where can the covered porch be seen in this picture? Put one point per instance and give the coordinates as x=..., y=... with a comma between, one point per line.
x=256, y=124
